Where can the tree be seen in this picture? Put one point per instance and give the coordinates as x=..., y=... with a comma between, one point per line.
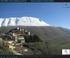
x=36, y=38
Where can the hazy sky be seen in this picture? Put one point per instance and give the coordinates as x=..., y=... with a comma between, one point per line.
x=56, y=14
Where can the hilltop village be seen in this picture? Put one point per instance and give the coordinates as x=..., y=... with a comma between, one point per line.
x=19, y=41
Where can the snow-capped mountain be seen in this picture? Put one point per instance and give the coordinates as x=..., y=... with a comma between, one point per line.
x=22, y=21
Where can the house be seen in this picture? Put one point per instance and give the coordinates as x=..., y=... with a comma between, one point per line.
x=11, y=45
x=19, y=47
x=21, y=36
x=29, y=33
x=17, y=34
x=20, y=39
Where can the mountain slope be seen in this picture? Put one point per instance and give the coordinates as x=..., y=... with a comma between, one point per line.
x=22, y=21
x=56, y=38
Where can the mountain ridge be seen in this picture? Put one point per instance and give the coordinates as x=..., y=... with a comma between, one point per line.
x=22, y=21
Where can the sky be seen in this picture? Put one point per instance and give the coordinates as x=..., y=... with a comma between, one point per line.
x=55, y=14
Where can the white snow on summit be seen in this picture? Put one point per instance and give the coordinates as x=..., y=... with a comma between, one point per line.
x=22, y=21
x=4, y=23
x=12, y=22
x=1, y=20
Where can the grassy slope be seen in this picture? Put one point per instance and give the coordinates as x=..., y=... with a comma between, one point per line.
x=57, y=38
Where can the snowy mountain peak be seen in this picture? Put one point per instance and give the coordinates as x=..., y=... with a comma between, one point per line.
x=22, y=21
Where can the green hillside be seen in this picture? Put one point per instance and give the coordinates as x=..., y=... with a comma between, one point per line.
x=54, y=38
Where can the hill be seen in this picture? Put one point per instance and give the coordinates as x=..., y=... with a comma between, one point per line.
x=55, y=38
